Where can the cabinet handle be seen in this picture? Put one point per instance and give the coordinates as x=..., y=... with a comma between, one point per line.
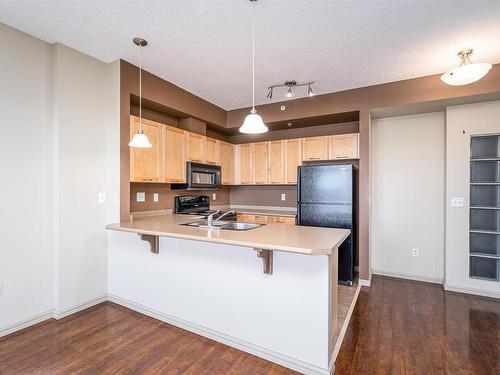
x=310, y=158
x=342, y=157
x=146, y=179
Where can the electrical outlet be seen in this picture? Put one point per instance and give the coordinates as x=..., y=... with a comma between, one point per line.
x=457, y=201
x=415, y=252
x=283, y=197
x=155, y=197
x=102, y=197
x=214, y=196
x=141, y=197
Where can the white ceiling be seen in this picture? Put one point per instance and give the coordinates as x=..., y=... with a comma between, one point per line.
x=205, y=46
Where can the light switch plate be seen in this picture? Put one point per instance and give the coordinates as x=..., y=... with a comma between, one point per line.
x=114, y=198
x=283, y=197
x=0, y=289
x=155, y=197
x=141, y=197
x=101, y=197
x=214, y=196
x=457, y=201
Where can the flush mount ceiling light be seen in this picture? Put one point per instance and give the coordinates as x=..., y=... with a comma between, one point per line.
x=289, y=88
x=253, y=123
x=140, y=140
x=467, y=72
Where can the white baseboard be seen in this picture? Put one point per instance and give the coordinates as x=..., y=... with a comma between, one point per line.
x=363, y=282
x=344, y=327
x=11, y=328
x=7, y=330
x=59, y=314
x=408, y=276
x=281, y=359
x=469, y=290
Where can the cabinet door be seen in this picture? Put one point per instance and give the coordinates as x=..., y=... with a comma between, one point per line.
x=277, y=162
x=195, y=147
x=261, y=219
x=211, y=151
x=174, y=154
x=246, y=163
x=226, y=162
x=343, y=146
x=293, y=158
x=281, y=220
x=261, y=167
x=145, y=163
x=245, y=218
x=315, y=148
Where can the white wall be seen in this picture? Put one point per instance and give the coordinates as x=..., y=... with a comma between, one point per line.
x=59, y=148
x=462, y=122
x=408, y=196
x=25, y=105
x=86, y=101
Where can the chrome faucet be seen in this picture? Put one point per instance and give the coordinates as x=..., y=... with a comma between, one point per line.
x=210, y=218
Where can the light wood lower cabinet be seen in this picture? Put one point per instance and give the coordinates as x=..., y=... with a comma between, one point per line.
x=174, y=155
x=282, y=220
x=315, y=148
x=145, y=163
x=343, y=146
x=226, y=151
x=266, y=219
x=277, y=162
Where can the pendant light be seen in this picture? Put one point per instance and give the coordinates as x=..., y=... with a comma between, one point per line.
x=467, y=72
x=253, y=123
x=140, y=140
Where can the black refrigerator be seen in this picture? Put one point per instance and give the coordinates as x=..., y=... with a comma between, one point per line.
x=327, y=197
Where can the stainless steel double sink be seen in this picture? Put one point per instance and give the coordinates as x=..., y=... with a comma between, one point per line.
x=224, y=225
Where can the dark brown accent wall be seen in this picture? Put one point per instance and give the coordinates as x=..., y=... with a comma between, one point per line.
x=180, y=103
x=166, y=196
x=265, y=195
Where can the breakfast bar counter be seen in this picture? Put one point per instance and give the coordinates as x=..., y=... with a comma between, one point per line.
x=270, y=291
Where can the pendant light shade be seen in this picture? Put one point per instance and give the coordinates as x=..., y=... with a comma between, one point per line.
x=467, y=72
x=253, y=123
x=140, y=140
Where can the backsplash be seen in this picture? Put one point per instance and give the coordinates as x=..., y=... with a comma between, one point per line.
x=246, y=195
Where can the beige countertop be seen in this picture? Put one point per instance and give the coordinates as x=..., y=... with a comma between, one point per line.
x=280, y=237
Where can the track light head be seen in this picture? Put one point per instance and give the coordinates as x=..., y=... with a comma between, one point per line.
x=310, y=91
x=289, y=92
x=270, y=93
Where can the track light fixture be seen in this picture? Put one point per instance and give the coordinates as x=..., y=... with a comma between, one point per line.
x=289, y=88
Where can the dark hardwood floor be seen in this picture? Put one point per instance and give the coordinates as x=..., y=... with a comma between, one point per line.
x=398, y=327
x=407, y=327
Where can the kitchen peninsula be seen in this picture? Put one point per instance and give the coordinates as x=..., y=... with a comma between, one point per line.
x=271, y=291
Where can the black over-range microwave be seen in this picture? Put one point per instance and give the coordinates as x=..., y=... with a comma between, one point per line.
x=200, y=176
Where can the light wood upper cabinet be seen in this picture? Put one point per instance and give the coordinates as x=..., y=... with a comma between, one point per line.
x=261, y=166
x=246, y=161
x=293, y=158
x=145, y=163
x=174, y=154
x=195, y=147
x=343, y=146
x=315, y=148
x=211, y=151
x=277, y=162
x=226, y=162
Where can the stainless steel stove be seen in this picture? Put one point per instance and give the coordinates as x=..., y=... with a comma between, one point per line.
x=198, y=205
